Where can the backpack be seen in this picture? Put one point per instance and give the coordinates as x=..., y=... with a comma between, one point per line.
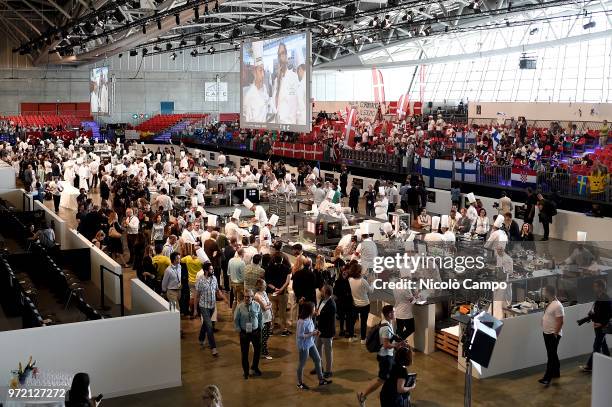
x=373, y=342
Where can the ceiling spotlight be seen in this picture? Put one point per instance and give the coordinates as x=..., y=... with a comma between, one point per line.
x=169, y=46
x=182, y=43
x=509, y=6
x=194, y=53
x=370, y=40
x=258, y=26
x=285, y=23
x=236, y=32
x=374, y=22
x=356, y=41
x=533, y=31
x=177, y=18
x=159, y=23
x=144, y=29
x=133, y=53
x=145, y=52
x=120, y=55
x=199, y=40
x=386, y=23
x=173, y=56
x=325, y=30
x=428, y=30
x=196, y=13
x=237, y=47
x=211, y=50
x=157, y=48
x=118, y=15
x=588, y=25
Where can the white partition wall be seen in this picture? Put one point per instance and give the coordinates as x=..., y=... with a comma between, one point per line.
x=144, y=299
x=75, y=240
x=601, y=391
x=126, y=355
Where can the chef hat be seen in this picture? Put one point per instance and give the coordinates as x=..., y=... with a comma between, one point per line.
x=225, y=170
x=444, y=221
x=258, y=176
x=273, y=220
x=247, y=168
x=236, y=214
x=381, y=190
x=435, y=222
x=363, y=228
x=387, y=227
x=80, y=160
x=471, y=198
x=158, y=156
x=330, y=195
x=212, y=220
x=258, y=52
x=499, y=221
x=182, y=154
x=287, y=177
x=168, y=156
x=581, y=236
x=247, y=203
x=243, y=171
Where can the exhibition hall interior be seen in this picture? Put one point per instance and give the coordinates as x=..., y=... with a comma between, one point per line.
x=241, y=203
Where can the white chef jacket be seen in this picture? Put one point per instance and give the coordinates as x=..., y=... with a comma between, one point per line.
x=265, y=240
x=261, y=216
x=256, y=104
x=381, y=208
x=496, y=238
x=287, y=107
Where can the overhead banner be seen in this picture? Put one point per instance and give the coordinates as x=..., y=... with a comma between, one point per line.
x=215, y=92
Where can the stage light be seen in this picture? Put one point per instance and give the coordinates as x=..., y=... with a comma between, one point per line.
x=168, y=46
x=145, y=52
x=120, y=55
x=217, y=35
x=236, y=32
x=194, y=53
x=157, y=48
x=216, y=6
x=206, y=8
x=88, y=27
x=588, y=25
x=196, y=13
x=199, y=40
x=285, y=22
x=144, y=29
x=173, y=56
x=428, y=30
x=258, y=26
x=177, y=18
x=133, y=53
x=237, y=47
x=182, y=43
x=211, y=50
x=386, y=22
x=119, y=15
x=159, y=23
x=533, y=31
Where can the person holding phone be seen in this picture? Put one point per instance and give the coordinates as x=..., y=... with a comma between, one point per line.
x=396, y=389
x=79, y=394
x=305, y=336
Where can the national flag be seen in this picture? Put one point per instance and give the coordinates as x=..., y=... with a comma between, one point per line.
x=437, y=173
x=597, y=183
x=351, y=118
x=496, y=136
x=581, y=182
x=403, y=106
x=465, y=172
x=417, y=108
x=378, y=85
x=392, y=108
x=523, y=177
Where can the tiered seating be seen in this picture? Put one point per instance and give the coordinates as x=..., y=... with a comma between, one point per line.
x=161, y=122
x=18, y=296
x=30, y=120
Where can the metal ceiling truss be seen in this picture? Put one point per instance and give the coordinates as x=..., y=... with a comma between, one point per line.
x=341, y=28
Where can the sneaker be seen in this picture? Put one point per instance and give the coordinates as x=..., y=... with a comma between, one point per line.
x=214, y=352
x=351, y=339
x=302, y=386
x=363, y=341
x=361, y=398
x=586, y=369
x=327, y=375
x=267, y=357
x=544, y=381
x=324, y=382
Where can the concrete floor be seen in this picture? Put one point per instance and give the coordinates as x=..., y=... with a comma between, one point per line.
x=439, y=382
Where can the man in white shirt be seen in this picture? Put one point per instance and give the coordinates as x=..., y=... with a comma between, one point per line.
x=472, y=213
x=367, y=251
x=552, y=323
x=163, y=200
x=404, y=317
x=131, y=224
x=285, y=91
x=498, y=237
x=259, y=213
x=188, y=235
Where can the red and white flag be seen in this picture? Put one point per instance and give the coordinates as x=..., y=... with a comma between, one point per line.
x=351, y=119
x=378, y=85
x=403, y=106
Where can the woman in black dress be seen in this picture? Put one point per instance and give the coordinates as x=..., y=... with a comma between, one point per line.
x=104, y=190
x=344, y=301
x=396, y=389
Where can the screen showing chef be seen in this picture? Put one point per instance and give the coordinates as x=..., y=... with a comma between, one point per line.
x=98, y=90
x=275, y=79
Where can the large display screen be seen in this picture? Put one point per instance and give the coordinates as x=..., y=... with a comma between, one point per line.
x=275, y=81
x=98, y=90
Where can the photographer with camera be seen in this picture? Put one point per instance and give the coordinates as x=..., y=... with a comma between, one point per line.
x=600, y=315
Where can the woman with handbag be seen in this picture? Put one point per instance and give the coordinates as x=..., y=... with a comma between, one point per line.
x=115, y=245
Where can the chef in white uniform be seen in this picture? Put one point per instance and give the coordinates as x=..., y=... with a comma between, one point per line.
x=381, y=207
x=326, y=207
x=256, y=98
x=498, y=237
x=444, y=227
x=285, y=91
x=434, y=236
x=472, y=213
x=265, y=236
x=259, y=213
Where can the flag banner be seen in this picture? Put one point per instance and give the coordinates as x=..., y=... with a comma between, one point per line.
x=437, y=173
x=417, y=108
x=464, y=140
x=465, y=172
x=523, y=177
x=598, y=183
x=403, y=106
x=378, y=85
x=581, y=183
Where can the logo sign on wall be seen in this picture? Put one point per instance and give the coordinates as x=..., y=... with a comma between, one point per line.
x=215, y=92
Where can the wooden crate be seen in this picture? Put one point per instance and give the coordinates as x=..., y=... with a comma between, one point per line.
x=447, y=342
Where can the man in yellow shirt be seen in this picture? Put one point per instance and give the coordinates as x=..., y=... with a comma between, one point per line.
x=160, y=263
x=193, y=264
